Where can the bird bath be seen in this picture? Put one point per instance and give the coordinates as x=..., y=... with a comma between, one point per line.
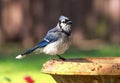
x=84, y=70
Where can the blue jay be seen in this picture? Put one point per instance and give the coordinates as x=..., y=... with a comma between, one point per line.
x=56, y=42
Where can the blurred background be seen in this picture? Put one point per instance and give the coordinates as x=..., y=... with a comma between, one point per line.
x=96, y=32
x=26, y=21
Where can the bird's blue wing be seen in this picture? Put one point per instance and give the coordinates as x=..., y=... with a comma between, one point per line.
x=49, y=38
x=39, y=45
x=42, y=43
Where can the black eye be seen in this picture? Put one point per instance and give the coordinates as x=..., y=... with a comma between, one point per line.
x=63, y=21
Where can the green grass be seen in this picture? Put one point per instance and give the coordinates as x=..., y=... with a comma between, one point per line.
x=14, y=71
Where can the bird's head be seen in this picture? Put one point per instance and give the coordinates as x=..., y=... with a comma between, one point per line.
x=65, y=24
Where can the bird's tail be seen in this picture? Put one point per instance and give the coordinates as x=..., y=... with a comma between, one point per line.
x=26, y=52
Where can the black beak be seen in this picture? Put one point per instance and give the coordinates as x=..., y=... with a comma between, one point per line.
x=69, y=22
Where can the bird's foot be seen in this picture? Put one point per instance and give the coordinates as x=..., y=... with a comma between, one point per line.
x=61, y=58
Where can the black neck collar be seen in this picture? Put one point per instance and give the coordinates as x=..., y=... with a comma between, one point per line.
x=68, y=34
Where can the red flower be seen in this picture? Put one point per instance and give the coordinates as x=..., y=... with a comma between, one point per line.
x=29, y=79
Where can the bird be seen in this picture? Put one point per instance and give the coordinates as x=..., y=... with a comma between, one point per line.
x=56, y=41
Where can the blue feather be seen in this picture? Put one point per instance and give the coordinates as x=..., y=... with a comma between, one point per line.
x=52, y=36
x=42, y=43
x=39, y=45
x=49, y=38
x=29, y=50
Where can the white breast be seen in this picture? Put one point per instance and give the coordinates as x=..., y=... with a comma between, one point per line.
x=58, y=47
